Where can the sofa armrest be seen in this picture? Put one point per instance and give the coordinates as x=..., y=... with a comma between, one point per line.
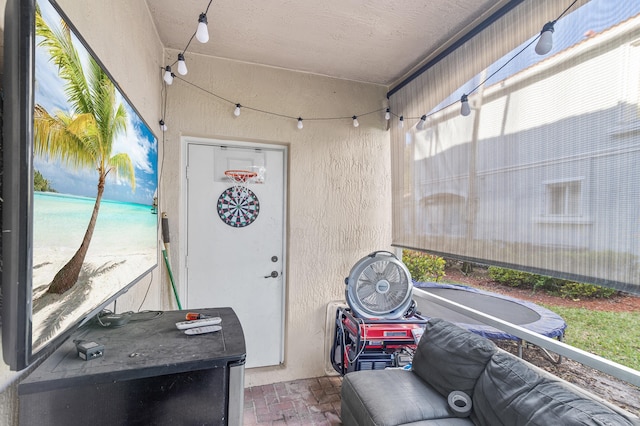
x=391, y=397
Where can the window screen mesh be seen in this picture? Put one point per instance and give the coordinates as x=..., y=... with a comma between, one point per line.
x=544, y=174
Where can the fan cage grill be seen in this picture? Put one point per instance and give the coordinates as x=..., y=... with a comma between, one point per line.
x=379, y=287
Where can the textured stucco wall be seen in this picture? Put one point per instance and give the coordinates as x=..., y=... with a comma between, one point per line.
x=339, y=206
x=339, y=180
x=122, y=35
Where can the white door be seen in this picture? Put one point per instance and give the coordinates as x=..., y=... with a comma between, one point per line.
x=235, y=242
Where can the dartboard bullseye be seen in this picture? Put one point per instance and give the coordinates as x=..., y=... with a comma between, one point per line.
x=238, y=207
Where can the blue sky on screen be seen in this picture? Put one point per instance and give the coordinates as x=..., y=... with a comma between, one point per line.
x=138, y=141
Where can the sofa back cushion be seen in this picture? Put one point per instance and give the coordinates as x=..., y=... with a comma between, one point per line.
x=450, y=358
x=508, y=392
x=503, y=387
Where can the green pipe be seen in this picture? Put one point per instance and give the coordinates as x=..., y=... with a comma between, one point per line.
x=175, y=292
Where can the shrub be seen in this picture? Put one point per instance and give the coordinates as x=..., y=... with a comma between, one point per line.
x=553, y=286
x=512, y=278
x=423, y=267
x=577, y=290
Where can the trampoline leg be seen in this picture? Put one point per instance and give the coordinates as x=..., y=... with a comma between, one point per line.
x=558, y=358
x=520, y=344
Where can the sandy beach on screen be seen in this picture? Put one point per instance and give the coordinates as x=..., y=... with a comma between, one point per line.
x=101, y=277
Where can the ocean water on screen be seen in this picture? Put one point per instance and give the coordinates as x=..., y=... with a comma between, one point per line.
x=60, y=222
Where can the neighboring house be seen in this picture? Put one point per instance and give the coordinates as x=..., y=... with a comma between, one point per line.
x=525, y=171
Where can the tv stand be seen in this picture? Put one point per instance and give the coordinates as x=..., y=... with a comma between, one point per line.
x=151, y=373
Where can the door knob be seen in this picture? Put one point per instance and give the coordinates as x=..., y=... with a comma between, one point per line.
x=274, y=274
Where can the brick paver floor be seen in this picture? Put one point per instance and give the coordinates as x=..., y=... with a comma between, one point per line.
x=299, y=402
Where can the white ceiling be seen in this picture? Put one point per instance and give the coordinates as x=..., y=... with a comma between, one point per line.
x=374, y=41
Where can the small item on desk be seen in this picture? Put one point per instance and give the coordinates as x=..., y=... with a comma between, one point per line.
x=202, y=330
x=89, y=350
x=183, y=325
x=194, y=316
x=109, y=319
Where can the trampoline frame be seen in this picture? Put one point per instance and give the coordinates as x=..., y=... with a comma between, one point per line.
x=549, y=324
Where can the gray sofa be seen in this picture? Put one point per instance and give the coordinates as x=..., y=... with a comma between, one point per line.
x=500, y=389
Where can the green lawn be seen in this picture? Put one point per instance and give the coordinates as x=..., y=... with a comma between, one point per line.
x=611, y=335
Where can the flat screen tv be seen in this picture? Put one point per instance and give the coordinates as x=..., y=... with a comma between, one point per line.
x=79, y=225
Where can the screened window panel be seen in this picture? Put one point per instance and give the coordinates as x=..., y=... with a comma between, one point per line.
x=543, y=175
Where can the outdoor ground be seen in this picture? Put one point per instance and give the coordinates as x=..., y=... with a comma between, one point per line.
x=609, y=388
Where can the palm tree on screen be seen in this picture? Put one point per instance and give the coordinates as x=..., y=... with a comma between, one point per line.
x=83, y=138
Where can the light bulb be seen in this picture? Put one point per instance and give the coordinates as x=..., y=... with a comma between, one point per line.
x=300, y=125
x=464, y=106
x=387, y=115
x=168, y=75
x=236, y=111
x=202, y=33
x=545, y=42
x=355, y=121
x=420, y=124
x=401, y=119
x=163, y=126
x=182, y=65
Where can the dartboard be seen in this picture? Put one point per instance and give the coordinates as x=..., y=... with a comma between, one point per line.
x=238, y=207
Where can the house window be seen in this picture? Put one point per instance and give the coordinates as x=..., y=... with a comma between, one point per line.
x=564, y=198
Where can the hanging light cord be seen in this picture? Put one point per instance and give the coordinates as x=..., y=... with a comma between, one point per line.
x=421, y=117
x=495, y=72
x=193, y=35
x=519, y=52
x=566, y=10
x=274, y=113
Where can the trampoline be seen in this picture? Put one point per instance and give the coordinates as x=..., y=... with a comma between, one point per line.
x=525, y=314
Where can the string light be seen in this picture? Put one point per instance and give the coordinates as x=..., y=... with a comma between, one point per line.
x=544, y=46
x=182, y=65
x=202, y=33
x=465, y=109
x=163, y=126
x=545, y=42
x=168, y=75
x=274, y=113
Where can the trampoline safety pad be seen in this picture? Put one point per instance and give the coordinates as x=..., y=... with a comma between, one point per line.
x=525, y=314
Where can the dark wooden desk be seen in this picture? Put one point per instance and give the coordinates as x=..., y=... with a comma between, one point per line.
x=151, y=374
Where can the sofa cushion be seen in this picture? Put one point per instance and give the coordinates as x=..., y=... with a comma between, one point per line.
x=508, y=392
x=451, y=358
x=391, y=397
x=500, y=386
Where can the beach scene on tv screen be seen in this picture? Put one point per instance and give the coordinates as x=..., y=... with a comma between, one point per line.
x=95, y=180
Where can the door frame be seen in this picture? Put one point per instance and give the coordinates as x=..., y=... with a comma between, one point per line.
x=185, y=141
